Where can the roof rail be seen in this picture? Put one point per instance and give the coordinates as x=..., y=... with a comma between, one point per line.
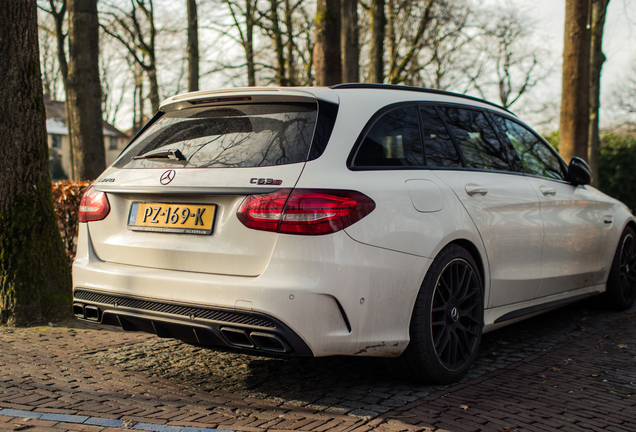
x=411, y=88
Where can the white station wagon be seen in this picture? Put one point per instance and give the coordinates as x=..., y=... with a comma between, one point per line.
x=361, y=220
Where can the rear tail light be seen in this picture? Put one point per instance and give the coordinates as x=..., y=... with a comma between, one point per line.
x=304, y=211
x=94, y=206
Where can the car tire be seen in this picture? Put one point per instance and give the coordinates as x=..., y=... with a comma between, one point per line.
x=447, y=321
x=621, y=283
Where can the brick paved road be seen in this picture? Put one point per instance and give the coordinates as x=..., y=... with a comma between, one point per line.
x=572, y=369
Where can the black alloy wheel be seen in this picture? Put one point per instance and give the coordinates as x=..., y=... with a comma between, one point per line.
x=456, y=314
x=621, y=283
x=627, y=272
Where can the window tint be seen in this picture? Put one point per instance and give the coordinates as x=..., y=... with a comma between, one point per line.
x=439, y=148
x=477, y=141
x=394, y=140
x=535, y=156
x=251, y=135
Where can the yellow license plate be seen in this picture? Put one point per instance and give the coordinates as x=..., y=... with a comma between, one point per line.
x=172, y=218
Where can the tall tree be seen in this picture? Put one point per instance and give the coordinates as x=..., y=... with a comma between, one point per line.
x=58, y=12
x=327, y=47
x=377, y=23
x=135, y=29
x=277, y=37
x=84, y=93
x=193, y=46
x=397, y=65
x=511, y=61
x=597, y=58
x=575, y=88
x=35, y=278
x=59, y=16
x=244, y=19
x=349, y=43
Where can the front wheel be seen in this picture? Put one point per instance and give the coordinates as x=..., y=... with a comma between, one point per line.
x=447, y=321
x=621, y=283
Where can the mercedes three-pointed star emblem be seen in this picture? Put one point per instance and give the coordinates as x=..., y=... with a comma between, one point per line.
x=167, y=177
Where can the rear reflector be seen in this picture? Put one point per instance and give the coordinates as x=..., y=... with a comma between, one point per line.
x=94, y=206
x=304, y=211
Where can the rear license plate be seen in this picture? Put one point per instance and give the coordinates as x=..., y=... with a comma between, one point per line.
x=172, y=218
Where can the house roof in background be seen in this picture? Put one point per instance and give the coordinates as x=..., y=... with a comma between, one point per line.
x=56, y=120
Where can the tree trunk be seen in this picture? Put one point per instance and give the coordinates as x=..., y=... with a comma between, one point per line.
x=349, y=41
x=292, y=74
x=84, y=91
x=278, y=43
x=35, y=278
x=575, y=90
x=327, y=47
x=390, y=36
x=193, y=46
x=249, y=49
x=153, y=93
x=376, y=49
x=58, y=18
x=599, y=9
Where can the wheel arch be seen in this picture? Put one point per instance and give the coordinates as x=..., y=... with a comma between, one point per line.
x=474, y=252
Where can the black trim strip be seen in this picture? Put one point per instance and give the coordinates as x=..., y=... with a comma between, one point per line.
x=415, y=89
x=538, y=308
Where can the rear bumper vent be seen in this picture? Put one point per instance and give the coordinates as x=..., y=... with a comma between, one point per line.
x=184, y=311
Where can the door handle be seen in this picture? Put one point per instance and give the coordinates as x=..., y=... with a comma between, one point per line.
x=473, y=189
x=547, y=190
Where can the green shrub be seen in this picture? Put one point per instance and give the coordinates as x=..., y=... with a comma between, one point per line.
x=552, y=138
x=617, y=167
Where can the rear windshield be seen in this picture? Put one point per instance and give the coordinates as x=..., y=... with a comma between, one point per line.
x=252, y=135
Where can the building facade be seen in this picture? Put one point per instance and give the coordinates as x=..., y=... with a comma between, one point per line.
x=59, y=145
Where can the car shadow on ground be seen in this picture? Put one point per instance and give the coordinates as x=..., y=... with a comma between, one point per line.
x=354, y=385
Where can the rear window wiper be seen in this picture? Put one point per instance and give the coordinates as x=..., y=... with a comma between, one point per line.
x=170, y=154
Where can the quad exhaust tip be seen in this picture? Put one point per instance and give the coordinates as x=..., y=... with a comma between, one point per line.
x=265, y=341
x=89, y=312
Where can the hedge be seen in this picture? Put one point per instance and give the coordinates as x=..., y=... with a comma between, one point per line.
x=617, y=168
x=67, y=195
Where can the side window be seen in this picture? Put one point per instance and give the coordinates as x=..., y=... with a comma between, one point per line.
x=535, y=156
x=439, y=148
x=477, y=141
x=394, y=140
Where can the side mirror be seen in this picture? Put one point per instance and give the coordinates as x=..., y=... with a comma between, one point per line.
x=579, y=172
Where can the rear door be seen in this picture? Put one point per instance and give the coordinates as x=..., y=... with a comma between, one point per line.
x=175, y=191
x=502, y=204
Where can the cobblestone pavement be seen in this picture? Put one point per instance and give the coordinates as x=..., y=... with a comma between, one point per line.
x=570, y=369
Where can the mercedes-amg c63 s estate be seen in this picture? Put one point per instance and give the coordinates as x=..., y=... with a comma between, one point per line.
x=361, y=220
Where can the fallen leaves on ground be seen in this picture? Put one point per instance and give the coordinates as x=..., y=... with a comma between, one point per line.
x=464, y=407
x=555, y=369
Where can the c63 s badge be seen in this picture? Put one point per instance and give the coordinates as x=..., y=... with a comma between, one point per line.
x=265, y=181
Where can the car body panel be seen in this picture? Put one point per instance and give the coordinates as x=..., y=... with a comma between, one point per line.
x=231, y=249
x=507, y=215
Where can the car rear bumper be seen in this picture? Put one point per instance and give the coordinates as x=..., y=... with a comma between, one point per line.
x=318, y=296
x=209, y=327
